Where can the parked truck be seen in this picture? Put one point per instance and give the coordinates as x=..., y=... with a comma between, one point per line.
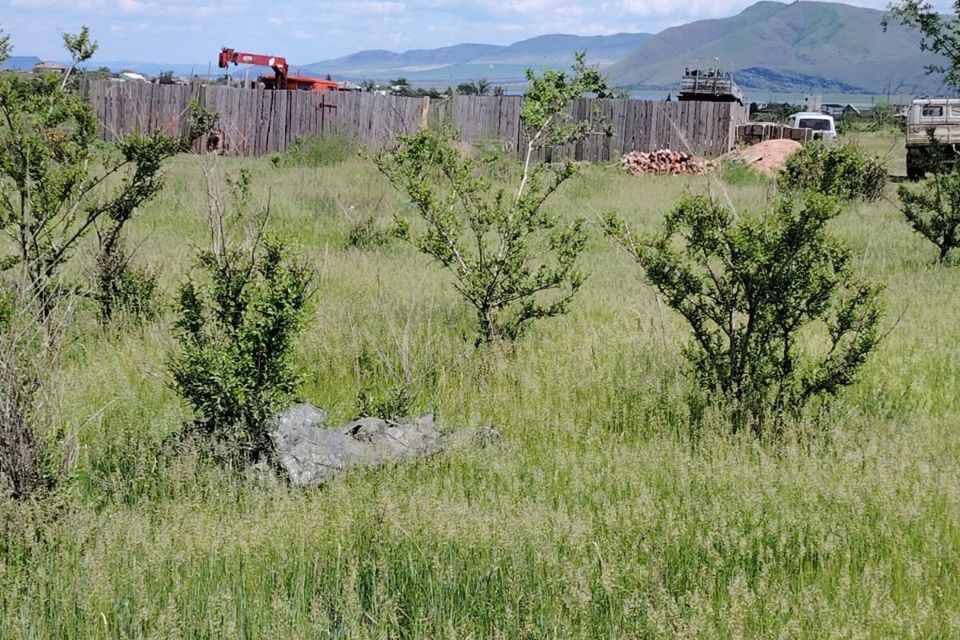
x=933, y=134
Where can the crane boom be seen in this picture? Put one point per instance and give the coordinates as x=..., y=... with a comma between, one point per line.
x=277, y=63
x=281, y=79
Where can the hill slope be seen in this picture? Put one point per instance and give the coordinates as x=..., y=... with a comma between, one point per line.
x=793, y=47
x=470, y=61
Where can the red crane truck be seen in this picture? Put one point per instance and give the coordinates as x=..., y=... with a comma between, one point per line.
x=281, y=78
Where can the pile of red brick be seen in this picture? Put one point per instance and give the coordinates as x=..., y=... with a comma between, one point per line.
x=665, y=162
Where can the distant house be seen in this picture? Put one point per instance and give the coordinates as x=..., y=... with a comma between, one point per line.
x=837, y=110
x=49, y=67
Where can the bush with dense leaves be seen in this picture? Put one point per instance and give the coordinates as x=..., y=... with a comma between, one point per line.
x=237, y=326
x=754, y=291
x=841, y=171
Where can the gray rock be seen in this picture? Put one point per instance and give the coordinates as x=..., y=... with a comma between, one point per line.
x=311, y=454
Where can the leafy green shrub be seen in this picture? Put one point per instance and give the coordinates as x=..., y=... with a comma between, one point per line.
x=841, y=171
x=749, y=287
x=506, y=254
x=508, y=259
x=236, y=331
x=122, y=287
x=367, y=234
x=934, y=212
x=318, y=151
x=55, y=174
x=200, y=122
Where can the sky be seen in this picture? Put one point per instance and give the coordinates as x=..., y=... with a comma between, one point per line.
x=192, y=31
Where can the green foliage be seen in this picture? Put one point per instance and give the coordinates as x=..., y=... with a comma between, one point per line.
x=121, y=287
x=934, y=211
x=236, y=332
x=749, y=288
x=773, y=112
x=479, y=87
x=940, y=34
x=318, y=151
x=30, y=348
x=367, y=234
x=599, y=501
x=508, y=258
x=543, y=114
x=200, y=122
x=393, y=404
x=5, y=48
x=740, y=174
x=841, y=171
x=80, y=46
x=56, y=184
x=506, y=254
x=6, y=309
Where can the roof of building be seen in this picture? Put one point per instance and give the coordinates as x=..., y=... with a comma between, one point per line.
x=50, y=66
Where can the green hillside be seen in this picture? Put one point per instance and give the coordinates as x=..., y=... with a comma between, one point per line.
x=804, y=44
x=501, y=64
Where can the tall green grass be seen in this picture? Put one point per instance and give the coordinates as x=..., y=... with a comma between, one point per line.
x=603, y=513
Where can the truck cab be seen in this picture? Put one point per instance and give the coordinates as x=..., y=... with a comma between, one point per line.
x=822, y=125
x=933, y=125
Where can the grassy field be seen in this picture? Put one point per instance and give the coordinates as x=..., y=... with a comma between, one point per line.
x=602, y=514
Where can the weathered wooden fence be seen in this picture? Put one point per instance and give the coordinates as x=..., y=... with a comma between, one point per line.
x=256, y=122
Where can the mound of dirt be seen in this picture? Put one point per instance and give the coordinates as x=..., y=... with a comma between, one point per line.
x=768, y=157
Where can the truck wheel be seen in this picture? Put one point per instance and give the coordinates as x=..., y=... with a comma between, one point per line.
x=914, y=172
x=915, y=164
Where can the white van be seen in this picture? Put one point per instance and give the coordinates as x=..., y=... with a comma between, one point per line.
x=822, y=125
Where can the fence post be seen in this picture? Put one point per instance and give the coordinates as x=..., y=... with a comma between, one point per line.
x=425, y=113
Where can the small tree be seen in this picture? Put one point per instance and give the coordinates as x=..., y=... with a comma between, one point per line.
x=749, y=288
x=934, y=211
x=237, y=327
x=55, y=185
x=509, y=258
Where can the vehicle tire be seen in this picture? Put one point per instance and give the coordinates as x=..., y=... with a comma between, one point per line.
x=914, y=173
x=915, y=165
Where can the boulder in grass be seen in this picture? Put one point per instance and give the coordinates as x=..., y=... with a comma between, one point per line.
x=312, y=454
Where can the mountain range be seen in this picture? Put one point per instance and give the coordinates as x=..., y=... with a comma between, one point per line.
x=499, y=64
x=772, y=47
x=825, y=47
x=800, y=46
